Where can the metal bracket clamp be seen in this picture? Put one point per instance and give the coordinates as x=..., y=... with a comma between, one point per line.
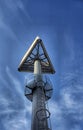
x=45, y=117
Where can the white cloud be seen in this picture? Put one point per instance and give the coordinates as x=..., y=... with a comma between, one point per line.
x=14, y=80
x=76, y=127
x=15, y=6
x=28, y=107
x=55, y=109
x=71, y=99
x=13, y=109
x=57, y=119
x=67, y=100
x=3, y=102
x=3, y=81
x=69, y=105
x=18, y=123
x=15, y=119
x=7, y=30
x=70, y=49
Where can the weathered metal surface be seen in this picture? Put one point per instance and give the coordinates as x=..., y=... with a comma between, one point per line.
x=32, y=81
x=37, y=89
x=39, y=115
x=36, y=51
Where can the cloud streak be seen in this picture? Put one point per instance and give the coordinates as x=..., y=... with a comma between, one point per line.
x=13, y=106
x=16, y=82
x=69, y=108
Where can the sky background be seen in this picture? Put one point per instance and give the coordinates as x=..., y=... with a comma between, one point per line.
x=59, y=23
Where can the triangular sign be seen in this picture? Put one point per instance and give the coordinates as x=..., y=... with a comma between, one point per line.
x=36, y=51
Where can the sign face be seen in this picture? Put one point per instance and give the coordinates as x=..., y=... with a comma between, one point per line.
x=36, y=51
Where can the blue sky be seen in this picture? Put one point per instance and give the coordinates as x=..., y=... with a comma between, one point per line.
x=60, y=25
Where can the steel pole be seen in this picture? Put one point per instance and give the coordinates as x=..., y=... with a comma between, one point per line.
x=39, y=121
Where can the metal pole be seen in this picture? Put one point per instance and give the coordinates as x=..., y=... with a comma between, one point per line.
x=38, y=89
x=37, y=67
x=39, y=122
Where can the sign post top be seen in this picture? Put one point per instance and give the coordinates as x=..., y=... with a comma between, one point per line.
x=36, y=51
